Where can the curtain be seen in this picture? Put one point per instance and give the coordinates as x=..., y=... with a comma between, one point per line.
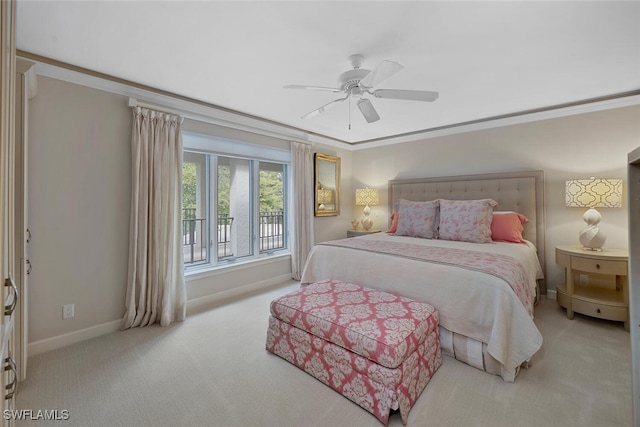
x=302, y=171
x=155, y=285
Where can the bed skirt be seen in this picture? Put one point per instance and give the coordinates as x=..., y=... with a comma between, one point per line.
x=474, y=353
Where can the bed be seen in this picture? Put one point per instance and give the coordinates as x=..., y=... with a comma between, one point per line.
x=485, y=292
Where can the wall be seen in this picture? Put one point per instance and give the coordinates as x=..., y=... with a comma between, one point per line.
x=593, y=144
x=79, y=198
x=335, y=227
x=79, y=195
x=79, y=201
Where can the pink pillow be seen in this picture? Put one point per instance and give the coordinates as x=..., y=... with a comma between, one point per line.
x=507, y=227
x=466, y=220
x=418, y=219
x=394, y=223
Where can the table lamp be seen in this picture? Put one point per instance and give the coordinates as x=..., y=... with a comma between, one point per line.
x=593, y=193
x=367, y=197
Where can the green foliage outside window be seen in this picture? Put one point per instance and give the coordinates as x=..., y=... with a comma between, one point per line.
x=271, y=197
x=271, y=189
x=189, y=186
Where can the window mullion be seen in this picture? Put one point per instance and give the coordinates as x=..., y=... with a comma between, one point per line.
x=255, y=206
x=212, y=166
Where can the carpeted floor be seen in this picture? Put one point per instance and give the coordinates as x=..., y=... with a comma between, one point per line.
x=213, y=370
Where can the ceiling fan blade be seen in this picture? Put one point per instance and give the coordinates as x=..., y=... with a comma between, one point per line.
x=329, y=89
x=411, y=95
x=383, y=71
x=323, y=108
x=366, y=108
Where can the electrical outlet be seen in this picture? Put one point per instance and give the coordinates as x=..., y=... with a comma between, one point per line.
x=584, y=279
x=67, y=311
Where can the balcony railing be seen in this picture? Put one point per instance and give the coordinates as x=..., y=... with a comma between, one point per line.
x=194, y=232
x=224, y=236
x=271, y=231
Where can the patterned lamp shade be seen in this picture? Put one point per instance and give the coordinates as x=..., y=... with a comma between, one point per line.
x=325, y=196
x=594, y=193
x=367, y=196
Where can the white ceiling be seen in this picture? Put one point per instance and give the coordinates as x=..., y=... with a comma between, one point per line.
x=486, y=59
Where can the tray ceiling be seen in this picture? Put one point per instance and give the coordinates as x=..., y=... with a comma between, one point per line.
x=486, y=59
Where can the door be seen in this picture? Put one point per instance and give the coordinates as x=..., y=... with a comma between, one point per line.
x=7, y=243
x=634, y=276
x=25, y=89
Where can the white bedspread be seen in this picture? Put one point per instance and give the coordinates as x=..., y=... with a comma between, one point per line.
x=471, y=303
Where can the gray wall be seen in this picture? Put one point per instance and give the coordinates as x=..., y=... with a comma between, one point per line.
x=79, y=198
x=80, y=179
x=592, y=144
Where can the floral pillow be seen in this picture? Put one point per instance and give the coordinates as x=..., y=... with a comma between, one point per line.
x=466, y=220
x=418, y=219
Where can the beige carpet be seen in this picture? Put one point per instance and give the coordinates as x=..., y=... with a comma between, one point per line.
x=212, y=370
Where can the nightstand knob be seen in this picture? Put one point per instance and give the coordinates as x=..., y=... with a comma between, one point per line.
x=598, y=311
x=597, y=266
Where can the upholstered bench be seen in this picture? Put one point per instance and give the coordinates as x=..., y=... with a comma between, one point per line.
x=377, y=349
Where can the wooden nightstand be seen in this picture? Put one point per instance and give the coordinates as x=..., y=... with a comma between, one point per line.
x=355, y=233
x=596, y=283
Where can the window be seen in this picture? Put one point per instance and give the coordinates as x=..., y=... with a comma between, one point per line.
x=247, y=196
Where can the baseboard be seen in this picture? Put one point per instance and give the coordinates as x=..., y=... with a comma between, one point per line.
x=59, y=341
x=197, y=304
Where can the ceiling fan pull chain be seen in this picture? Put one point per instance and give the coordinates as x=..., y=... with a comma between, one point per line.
x=349, y=113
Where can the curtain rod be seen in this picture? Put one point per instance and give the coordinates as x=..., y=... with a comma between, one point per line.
x=133, y=102
x=203, y=117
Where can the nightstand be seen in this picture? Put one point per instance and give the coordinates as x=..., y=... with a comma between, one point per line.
x=596, y=283
x=356, y=233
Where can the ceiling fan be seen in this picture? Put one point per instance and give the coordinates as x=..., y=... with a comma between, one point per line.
x=359, y=81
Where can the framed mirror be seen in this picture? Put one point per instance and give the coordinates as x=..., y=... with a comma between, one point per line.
x=327, y=185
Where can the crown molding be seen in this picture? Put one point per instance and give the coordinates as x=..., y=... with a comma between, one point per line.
x=186, y=107
x=626, y=99
x=198, y=110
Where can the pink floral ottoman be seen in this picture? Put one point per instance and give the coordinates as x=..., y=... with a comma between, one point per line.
x=377, y=349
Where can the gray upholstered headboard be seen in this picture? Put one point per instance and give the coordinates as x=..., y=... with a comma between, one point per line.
x=514, y=191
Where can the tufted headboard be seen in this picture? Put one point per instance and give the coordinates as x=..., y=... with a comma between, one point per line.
x=522, y=192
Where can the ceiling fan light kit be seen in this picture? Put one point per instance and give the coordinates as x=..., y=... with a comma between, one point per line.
x=366, y=108
x=357, y=82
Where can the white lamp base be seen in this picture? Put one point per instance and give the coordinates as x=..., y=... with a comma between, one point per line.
x=367, y=222
x=591, y=237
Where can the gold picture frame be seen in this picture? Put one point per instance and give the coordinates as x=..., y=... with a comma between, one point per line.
x=327, y=185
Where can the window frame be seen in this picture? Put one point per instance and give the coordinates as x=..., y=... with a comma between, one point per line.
x=214, y=148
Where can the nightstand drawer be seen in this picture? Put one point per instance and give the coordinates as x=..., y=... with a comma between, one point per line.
x=602, y=311
x=601, y=266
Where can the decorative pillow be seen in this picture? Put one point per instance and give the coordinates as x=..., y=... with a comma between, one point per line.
x=418, y=219
x=466, y=220
x=394, y=223
x=507, y=227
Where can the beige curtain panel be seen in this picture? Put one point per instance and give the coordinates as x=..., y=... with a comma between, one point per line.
x=302, y=171
x=155, y=288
